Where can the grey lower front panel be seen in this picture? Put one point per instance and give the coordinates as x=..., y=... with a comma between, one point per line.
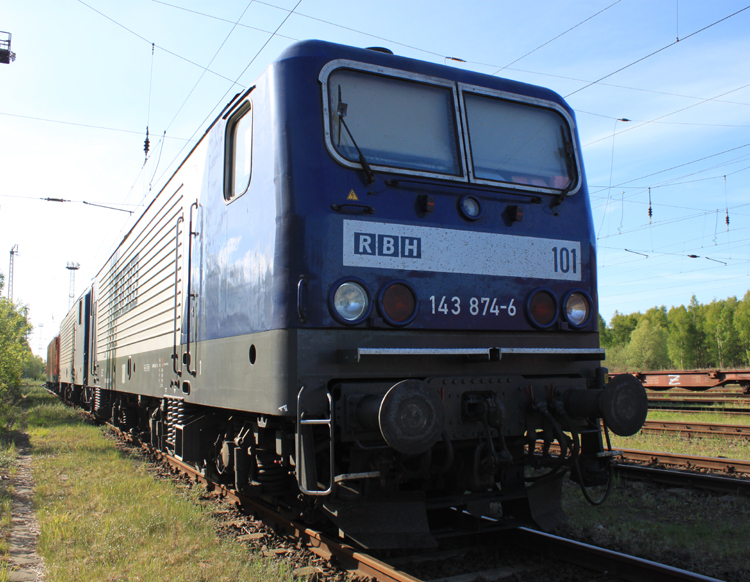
x=264, y=372
x=401, y=354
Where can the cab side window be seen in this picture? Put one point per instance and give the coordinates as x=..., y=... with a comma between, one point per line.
x=238, y=152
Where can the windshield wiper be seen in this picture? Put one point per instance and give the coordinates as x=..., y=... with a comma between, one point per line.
x=341, y=112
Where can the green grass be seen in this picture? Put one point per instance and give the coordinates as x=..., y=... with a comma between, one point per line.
x=10, y=416
x=708, y=446
x=708, y=417
x=694, y=530
x=104, y=518
x=7, y=471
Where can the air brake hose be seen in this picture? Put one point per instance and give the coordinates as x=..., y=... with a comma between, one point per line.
x=577, y=469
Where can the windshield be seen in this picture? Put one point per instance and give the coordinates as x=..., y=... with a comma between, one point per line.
x=416, y=124
x=395, y=122
x=517, y=143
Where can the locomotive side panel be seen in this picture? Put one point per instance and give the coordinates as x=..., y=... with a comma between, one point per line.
x=81, y=317
x=67, y=347
x=140, y=301
x=243, y=356
x=52, y=367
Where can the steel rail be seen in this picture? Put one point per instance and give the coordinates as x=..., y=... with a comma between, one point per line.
x=717, y=395
x=699, y=400
x=625, y=566
x=698, y=410
x=674, y=406
x=696, y=428
x=687, y=461
x=345, y=556
x=711, y=482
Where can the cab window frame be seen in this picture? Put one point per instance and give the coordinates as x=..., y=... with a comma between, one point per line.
x=235, y=122
x=396, y=74
x=460, y=122
x=570, y=126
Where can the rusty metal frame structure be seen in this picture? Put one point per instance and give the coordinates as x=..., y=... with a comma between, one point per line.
x=691, y=379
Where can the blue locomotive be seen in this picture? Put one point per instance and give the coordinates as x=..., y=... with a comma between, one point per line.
x=367, y=295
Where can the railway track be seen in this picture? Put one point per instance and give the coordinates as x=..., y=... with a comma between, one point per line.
x=610, y=565
x=737, y=412
x=697, y=401
x=615, y=565
x=691, y=462
x=683, y=478
x=735, y=431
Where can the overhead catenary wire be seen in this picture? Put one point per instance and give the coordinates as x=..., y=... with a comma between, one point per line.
x=219, y=103
x=88, y=125
x=147, y=143
x=558, y=36
x=223, y=97
x=222, y=19
x=638, y=189
x=156, y=167
x=108, y=205
x=726, y=200
x=658, y=254
x=641, y=124
x=213, y=58
x=392, y=41
x=438, y=54
x=632, y=200
x=656, y=51
x=161, y=48
x=683, y=165
x=691, y=243
x=616, y=264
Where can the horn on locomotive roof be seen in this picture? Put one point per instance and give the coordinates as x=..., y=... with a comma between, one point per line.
x=6, y=55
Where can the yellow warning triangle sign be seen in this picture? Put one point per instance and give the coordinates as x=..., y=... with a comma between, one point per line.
x=352, y=195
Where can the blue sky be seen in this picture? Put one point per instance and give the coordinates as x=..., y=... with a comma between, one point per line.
x=90, y=66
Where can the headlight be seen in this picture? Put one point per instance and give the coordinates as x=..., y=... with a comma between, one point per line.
x=577, y=308
x=470, y=207
x=397, y=302
x=350, y=301
x=541, y=308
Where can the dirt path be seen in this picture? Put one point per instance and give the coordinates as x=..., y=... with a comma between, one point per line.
x=26, y=565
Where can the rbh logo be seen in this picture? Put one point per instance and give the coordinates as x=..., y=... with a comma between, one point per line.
x=387, y=245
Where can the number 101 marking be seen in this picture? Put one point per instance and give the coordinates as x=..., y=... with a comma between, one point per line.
x=563, y=259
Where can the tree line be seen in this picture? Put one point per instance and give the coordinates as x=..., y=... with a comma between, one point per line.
x=16, y=359
x=713, y=335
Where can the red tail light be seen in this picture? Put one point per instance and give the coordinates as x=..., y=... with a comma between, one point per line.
x=542, y=308
x=398, y=303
